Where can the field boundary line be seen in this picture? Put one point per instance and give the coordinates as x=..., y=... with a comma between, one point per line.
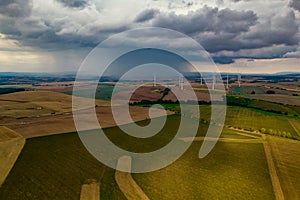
x=189, y=139
x=126, y=183
x=244, y=131
x=272, y=171
x=245, y=134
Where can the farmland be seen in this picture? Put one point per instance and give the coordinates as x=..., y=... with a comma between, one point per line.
x=287, y=159
x=57, y=165
x=65, y=164
x=31, y=113
x=246, y=118
x=11, y=144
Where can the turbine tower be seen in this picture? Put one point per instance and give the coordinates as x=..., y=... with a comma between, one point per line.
x=227, y=81
x=180, y=82
x=154, y=80
x=214, y=81
x=239, y=78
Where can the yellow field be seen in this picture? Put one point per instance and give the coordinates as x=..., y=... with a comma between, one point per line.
x=11, y=145
x=38, y=103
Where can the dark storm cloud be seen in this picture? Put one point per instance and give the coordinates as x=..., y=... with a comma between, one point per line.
x=223, y=60
x=231, y=30
x=15, y=8
x=208, y=20
x=295, y=4
x=54, y=33
x=239, y=0
x=282, y=29
x=146, y=15
x=217, y=30
x=74, y=3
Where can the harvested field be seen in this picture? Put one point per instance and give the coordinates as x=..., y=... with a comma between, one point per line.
x=33, y=127
x=150, y=93
x=38, y=103
x=11, y=144
x=37, y=113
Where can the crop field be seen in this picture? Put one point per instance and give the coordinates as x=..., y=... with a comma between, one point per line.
x=57, y=124
x=11, y=144
x=248, y=118
x=56, y=167
x=242, y=166
x=247, y=90
x=104, y=92
x=255, y=120
x=36, y=113
x=286, y=154
x=279, y=98
x=296, y=125
x=37, y=103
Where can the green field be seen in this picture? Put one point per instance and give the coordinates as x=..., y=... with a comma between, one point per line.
x=278, y=108
x=103, y=93
x=249, y=118
x=55, y=167
x=230, y=171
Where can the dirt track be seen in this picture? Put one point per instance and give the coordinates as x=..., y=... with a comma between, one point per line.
x=273, y=173
x=126, y=183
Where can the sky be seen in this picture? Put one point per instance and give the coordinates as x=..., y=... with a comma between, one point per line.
x=250, y=36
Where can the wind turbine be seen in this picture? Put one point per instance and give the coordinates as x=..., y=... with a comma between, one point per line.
x=154, y=80
x=239, y=78
x=214, y=81
x=181, y=82
x=227, y=80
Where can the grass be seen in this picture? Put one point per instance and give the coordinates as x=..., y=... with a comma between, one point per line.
x=246, y=90
x=252, y=119
x=279, y=98
x=230, y=171
x=278, y=108
x=55, y=167
x=247, y=118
